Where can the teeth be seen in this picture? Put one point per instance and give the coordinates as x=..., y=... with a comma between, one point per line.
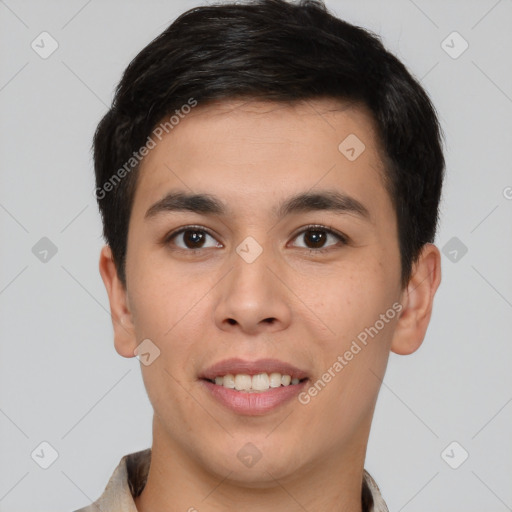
x=255, y=383
x=260, y=382
x=275, y=380
x=228, y=381
x=242, y=382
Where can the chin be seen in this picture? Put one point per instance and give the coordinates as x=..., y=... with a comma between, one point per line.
x=253, y=464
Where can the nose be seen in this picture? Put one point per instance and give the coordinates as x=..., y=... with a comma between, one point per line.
x=251, y=299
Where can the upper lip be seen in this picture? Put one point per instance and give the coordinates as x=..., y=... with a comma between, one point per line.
x=236, y=366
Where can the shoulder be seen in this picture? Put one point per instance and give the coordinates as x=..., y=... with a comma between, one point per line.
x=126, y=482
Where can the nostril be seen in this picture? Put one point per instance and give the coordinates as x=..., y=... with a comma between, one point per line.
x=231, y=321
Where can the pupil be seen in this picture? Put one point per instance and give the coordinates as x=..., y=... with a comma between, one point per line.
x=316, y=238
x=194, y=237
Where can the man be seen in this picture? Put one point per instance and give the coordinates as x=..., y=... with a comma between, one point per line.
x=269, y=179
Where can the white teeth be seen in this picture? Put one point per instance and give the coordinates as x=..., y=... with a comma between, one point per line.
x=260, y=382
x=275, y=380
x=255, y=383
x=229, y=381
x=243, y=382
x=285, y=380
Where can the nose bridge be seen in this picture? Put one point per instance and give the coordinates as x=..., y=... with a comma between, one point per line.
x=250, y=296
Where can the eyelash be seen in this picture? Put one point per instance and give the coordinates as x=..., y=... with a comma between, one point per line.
x=312, y=227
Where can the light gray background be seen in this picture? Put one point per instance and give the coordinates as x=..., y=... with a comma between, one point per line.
x=61, y=380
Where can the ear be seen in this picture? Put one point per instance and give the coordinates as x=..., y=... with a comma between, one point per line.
x=417, y=300
x=124, y=332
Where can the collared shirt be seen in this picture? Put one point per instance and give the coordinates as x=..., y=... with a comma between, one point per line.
x=129, y=479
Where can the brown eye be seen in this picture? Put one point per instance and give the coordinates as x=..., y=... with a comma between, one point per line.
x=192, y=238
x=317, y=238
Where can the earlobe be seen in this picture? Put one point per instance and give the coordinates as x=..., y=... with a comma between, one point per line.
x=417, y=302
x=124, y=334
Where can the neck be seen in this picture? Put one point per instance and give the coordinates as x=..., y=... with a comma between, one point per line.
x=331, y=482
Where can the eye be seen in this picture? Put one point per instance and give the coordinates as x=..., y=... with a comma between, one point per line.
x=315, y=238
x=192, y=237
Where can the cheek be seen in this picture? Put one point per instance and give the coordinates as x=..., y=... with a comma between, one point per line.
x=172, y=310
x=350, y=297
x=352, y=305
x=170, y=398
x=163, y=299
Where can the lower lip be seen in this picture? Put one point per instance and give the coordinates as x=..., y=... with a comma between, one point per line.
x=254, y=404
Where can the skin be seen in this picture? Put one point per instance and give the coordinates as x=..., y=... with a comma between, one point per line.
x=201, y=308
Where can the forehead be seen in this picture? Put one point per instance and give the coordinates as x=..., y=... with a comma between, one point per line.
x=251, y=153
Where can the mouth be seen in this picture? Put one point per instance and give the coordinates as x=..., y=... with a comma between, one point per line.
x=256, y=376
x=259, y=383
x=253, y=388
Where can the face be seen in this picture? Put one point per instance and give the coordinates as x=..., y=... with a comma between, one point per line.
x=290, y=265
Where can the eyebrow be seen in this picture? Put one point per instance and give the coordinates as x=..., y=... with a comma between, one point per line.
x=207, y=204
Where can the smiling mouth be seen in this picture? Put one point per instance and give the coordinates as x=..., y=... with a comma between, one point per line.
x=259, y=383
